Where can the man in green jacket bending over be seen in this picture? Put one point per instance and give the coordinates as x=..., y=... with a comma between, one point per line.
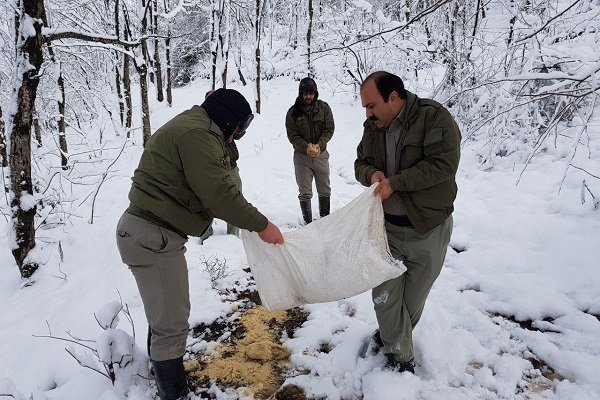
x=411, y=146
x=183, y=180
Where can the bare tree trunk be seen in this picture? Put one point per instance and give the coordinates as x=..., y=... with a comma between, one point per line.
x=127, y=93
x=214, y=20
x=127, y=84
x=62, y=141
x=452, y=60
x=169, y=75
x=17, y=25
x=29, y=60
x=143, y=73
x=309, y=37
x=3, y=156
x=118, y=77
x=238, y=60
x=225, y=61
x=118, y=81
x=148, y=18
x=37, y=129
x=168, y=58
x=159, y=82
x=62, y=138
x=257, y=54
x=144, y=40
x=224, y=39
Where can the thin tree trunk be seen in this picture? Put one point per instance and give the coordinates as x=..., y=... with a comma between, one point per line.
x=309, y=37
x=127, y=93
x=238, y=60
x=224, y=39
x=159, y=82
x=62, y=138
x=169, y=74
x=144, y=41
x=3, y=156
x=118, y=81
x=29, y=60
x=62, y=141
x=149, y=61
x=226, y=62
x=118, y=77
x=452, y=49
x=214, y=43
x=143, y=73
x=17, y=25
x=37, y=129
x=257, y=55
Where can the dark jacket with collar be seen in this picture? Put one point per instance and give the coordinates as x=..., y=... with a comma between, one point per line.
x=314, y=125
x=183, y=178
x=427, y=154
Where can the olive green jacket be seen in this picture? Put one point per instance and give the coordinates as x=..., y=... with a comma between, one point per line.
x=183, y=177
x=314, y=125
x=427, y=154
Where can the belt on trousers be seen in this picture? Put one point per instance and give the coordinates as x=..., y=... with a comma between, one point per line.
x=398, y=220
x=148, y=216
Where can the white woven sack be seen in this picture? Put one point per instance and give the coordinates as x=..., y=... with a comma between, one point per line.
x=332, y=258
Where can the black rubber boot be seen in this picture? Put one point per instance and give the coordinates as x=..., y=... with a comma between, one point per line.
x=170, y=379
x=324, y=205
x=306, y=211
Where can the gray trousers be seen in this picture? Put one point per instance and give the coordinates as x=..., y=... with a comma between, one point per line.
x=156, y=257
x=307, y=167
x=399, y=302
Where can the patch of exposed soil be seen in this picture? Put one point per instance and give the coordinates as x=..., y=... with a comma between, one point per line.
x=246, y=352
x=541, y=377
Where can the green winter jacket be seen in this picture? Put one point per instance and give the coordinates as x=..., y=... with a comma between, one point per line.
x=183, y=178
x=427, y=154
x=312, y=126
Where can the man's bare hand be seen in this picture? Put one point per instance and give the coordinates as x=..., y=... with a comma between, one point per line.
x=271, y=234
x=384, y=189
x=313, y=150
x=377, y=176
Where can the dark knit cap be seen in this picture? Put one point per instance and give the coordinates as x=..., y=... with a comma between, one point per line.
x=226, y=108
x=307, y=85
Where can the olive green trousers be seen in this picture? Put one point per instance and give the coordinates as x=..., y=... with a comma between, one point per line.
x=399, y=302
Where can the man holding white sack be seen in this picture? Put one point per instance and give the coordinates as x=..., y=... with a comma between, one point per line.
x=411, y=146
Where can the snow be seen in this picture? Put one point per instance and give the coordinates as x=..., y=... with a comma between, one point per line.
x=526, y=252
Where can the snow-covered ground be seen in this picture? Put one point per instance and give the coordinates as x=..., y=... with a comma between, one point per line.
x=523, y=252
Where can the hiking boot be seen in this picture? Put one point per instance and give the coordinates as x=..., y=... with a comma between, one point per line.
x=305, y=206
x=324, y=205
x=170, y=379
x=372, y=345
x=396, y=365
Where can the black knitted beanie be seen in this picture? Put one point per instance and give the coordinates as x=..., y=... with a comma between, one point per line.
x=226, y=108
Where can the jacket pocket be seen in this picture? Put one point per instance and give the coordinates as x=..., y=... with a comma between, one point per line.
x=412, y=147
x=434, y=142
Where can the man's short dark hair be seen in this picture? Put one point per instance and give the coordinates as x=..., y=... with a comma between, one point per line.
x=386, y=83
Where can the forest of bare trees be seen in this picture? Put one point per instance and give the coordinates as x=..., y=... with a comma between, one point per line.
x=74, y=72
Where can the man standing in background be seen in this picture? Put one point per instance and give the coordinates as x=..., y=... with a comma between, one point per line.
x=182, y=181
x=309, y=124
x=411, y=147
